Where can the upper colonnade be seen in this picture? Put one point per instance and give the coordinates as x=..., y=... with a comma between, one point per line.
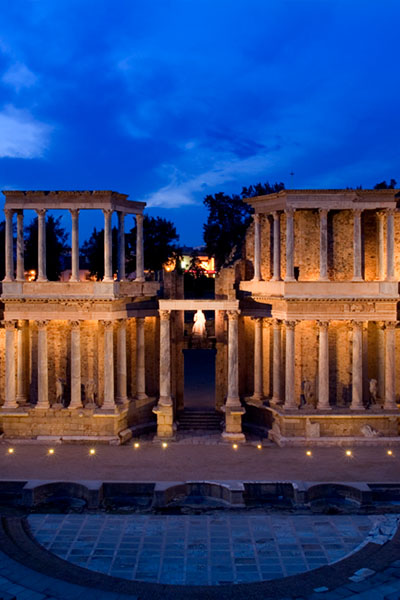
x=74, y=201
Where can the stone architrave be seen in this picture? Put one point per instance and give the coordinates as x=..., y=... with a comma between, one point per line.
x=75, y=244
x=121, y=245
x=323, y=244
x=357, y=367
x=9, y=274
x=290, y=402
x=257, y=248
x=20, y=246
x=390, y=245
x=289, y=212
x=276, y=362
x=108, y=401
x=140, y=359
x=357, y=246
x=43, y=375
x=276, y=275
x=76, y=394
x=139, y=249
x=10, y=396
x=122, y=396
x=108, y=274
x=323, y=367
x=390, y=366
x=42, y=261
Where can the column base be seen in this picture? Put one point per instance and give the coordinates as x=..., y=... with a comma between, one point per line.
x=324, y=408
x=233, y=437
x=139, y=279
x=107, y=280
x=357, y=279
x=255, y=400
x=357, y=407
x=323, y=278
x=42, y=280
x=141, y=396
x=289, y=279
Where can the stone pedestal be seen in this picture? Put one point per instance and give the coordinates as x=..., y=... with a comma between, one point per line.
x=233, y=424
x=165, y=422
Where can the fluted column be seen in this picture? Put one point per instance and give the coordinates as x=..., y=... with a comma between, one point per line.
x=323, y=244
x=22, y=362
x=357, y=369
x=380, y=215
x=258, y=381
x=140, y=360
x=20, y=246
x=257, y=248
x=390, y=245
x=9, y=271
x=139, y=249
x=276, y=362
x=42, y=268
x=108, y=402
x=357, y=246
x=232, y=399
x=390, y=366
x=76, y=394
x=165, y=358
x=121, y=246
x=290, y=402
x=75, y=244
x=323, y=367
x=289, y=212
x=10, y=397
x=276, y=275
x=43, y=375
x=108, y=274
x=122, y=395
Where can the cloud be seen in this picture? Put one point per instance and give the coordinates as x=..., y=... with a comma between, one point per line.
x=21, y=136
x=19, y=76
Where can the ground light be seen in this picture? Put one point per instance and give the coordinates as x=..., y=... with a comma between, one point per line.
x=389, y=452
x=164, y=445
x=50, y=451
x=308, y=452
x=10, y=450
x=235, y=446
x=92, y=451
x=136, y=445
x=259, y=447
x=349, y=453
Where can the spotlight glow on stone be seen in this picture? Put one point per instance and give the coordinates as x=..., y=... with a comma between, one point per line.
x=389, y=452
x=259, y=447
x=136, y=445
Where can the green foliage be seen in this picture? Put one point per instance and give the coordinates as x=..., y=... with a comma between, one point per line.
x=56, y=246
x=159, y=239
x=385, y=186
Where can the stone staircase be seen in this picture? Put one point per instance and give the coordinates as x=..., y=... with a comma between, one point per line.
x=206, y=420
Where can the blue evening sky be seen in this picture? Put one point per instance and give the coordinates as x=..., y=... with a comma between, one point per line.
x=170, y=100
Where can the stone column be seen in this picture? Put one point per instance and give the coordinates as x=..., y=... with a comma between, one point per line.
x=381, y=244
x=276, y=276
x=139, y=249
x=108, y=274
x=20, y=246
x=381, y=360
x=76, y=396
x=164, y=409
x=258, y=379
x=390, y=245
x=140, y=360
x=75, y=244
x=9, y=274
x=357, y=246
x=390, y=366
x=232, y=399
x=22, y=362
x=121, y=245
x=108, y=401
x=10, y=398
x=42, y=268
x=276, y=362
x=257, y=248
x=289, y=244
x=323, y=244
x=357, y=370
x=43, y=377
x=290, y=402
x=122, y=395
x=323, y=367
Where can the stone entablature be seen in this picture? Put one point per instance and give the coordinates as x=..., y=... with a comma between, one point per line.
x=66, y=200
x=95, y=290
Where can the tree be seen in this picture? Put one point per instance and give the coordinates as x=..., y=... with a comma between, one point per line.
x=159, y=240
x=56, y=246
x=228, y=220
x=385, y=186
x=93, y=252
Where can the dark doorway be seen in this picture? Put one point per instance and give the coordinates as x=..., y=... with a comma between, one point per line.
x=199, y=391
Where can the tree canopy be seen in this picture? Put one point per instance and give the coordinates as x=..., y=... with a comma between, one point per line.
x=385, y=186
x=228, y=219
x=56, y=246
x=93, y=252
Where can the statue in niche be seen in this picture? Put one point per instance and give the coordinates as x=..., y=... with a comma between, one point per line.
x=89, y=393
x=199, y=325
x=373, y=392
x=307, y=399
x=59, y=391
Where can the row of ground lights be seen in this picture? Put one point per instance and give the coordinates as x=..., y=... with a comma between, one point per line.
x=164, y=445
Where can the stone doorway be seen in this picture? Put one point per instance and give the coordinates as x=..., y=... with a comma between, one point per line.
x=199, y=379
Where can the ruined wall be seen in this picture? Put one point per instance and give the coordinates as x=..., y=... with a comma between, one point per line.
x=306, y=244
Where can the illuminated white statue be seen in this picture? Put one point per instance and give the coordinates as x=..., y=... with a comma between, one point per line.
x=199, y=326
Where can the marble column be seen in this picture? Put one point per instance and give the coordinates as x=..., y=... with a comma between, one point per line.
x=390, y=366
x=108, y=274
x=357, y=246
x=357, y=368
x=140, y=360
x=9, y=274
x=290, y=402
x=232, y=399
x=381, y=245
x=20, y=246
x=289, y=212
x=165, y=359
x=323, y=367
x=257, y=248
x=258, y=375
x=22, y=362
x=276, y=276
x=75, y=244
x=122, y=395
x=276, y=362
x=121, y=245
x=42, y=266
x=43, y=375
x=381, y=359
x=108, y=402
x=390, y=245
x=10, y=396
x=323, y=244
x=139, y=249
x=76, y=395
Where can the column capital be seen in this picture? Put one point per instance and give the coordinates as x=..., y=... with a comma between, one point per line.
x=390, y=324
x=266, y=322
x=233, y=315
x=75, y=324
x=323, y=324
x=290, y=324
x=276, y=214
x=10, y=324
x=276, y=322
x=107, y=324
x=256, y=217
x=139, y=217
x=391, y=211
x=356, y=324
x=289, y=211
x=74, y=212
x=9, y=212
x=257, y=319
x=381, y=214
x=165, y=315
x=121, y=214
x=323, y=212
x=42, y=323
x=357, y=211
x=41, y=212
x=107, y=211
